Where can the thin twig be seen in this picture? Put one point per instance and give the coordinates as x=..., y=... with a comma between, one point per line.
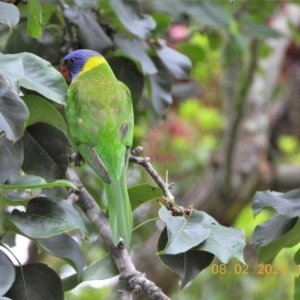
x=145, y=162
x=126, y=268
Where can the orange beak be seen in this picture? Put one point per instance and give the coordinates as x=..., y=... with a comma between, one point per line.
x=64, y=71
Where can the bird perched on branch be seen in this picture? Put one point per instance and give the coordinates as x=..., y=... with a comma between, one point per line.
x=100, y=117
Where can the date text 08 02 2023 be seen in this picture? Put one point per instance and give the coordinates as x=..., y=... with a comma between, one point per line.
x=262, y=269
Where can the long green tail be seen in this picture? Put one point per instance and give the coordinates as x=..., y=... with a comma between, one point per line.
x=120, y=215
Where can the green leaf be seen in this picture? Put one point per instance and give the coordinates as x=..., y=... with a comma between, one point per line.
x=102, y=269
x=36, y=281
x=40, y=76
x=41, y=110
x=222, y=241
x=127, y=72
x=22, y=182
x=286, y=204
x=34, y=18
x=183, y=233
x=7, y=272
x=266, y=254
x=134, y=49
x=297, y=257
x=11, y=158
x=259, y=30
x=46, y=151
x=10, y=227
x=142, y=193
x=177, y=63
x=91, y=34
x=271, y=230
x=159, y=87
x=46, y=46
x=297, y=288
x=64, y=247
x=162, y=21
x=188, y=264
x=46, y=218
x=13, y=113
x=195, y=52
x=128, y=16
x=11, y=67
x=9, y=14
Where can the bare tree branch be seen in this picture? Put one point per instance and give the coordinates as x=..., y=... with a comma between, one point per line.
x=145, y=162
x=130, y=280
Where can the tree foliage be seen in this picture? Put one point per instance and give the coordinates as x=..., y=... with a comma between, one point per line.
x=35, y=146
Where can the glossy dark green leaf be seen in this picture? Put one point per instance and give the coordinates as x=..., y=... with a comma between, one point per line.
x=11, y=67
x=9, y=14
x=11, y=158
x=271, y=230
x=40, y=76
x=46, y=151
x=41, y=110
x=36, y=281
x=46, y=46
x=266, y=254
x=127, y=72
x=162, y=21
x=183, y=233
x=287, y=204
x=134, y=49
x=91, y=34
x=179, y=64
x=64, y=247
x=13, y=113
x=128, y=16
x=102, y=269
x=46, y=218
x=34, y=18
x=159, y=86
x=7, y=273
x=188, y=264
x=142, y=193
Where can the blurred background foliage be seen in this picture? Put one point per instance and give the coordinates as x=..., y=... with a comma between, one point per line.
x=187, y=138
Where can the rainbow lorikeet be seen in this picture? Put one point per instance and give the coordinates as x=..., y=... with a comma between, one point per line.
x=100, y=117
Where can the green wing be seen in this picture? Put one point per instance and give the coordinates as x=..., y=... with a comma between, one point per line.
x=101, y=123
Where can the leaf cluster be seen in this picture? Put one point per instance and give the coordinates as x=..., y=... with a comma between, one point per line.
x=281, y=230
x=34, y=143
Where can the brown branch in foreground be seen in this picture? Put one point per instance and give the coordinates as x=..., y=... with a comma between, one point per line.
x=145, y=162
x=130, y=280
